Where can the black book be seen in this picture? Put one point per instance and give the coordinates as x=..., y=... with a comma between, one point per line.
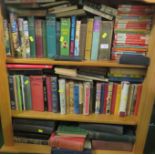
x=45, y=94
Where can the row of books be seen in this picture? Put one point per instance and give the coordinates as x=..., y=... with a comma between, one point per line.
x=131, y=30
x=53, y=94
x=88, y=39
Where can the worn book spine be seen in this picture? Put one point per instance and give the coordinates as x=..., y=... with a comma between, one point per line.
x=77, y=39
x=45, y=94
x=105, y=97
x=113, y=100
x=73, y=30
x=124, y=98
x=89, y=36
x=76, y=99
x=71, y=97
x=98, y=98
x=96, y=38
x=118, y=96
x=54, y=87
x=49, y=93
x=39, y=38
x=62, y=95
x=105, y=40
x=58, y=38
x=67, y=97
x=44, y=38
x=108, y=10
x=102, y=98
x=27, y=92
x=15, y=91
x=81, y=97
x=31, y=28
x=65, y=37
x=22, y=92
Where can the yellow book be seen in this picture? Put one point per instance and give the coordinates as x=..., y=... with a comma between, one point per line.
x=89, y=36
x=67, y=97
x=118, y=97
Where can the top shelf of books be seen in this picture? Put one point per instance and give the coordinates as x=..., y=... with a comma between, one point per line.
x=70, y=63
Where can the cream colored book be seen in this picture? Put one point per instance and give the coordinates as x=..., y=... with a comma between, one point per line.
x=59, y=7
x=53, y=3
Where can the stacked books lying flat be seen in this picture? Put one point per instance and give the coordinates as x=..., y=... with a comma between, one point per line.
x=67, y=91
x=88, y=39
x=132, y=28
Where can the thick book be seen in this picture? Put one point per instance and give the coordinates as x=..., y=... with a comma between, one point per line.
x=37, y=93
x=31, y=28
x=65, y=37
x=49, y=94
x=76, y=99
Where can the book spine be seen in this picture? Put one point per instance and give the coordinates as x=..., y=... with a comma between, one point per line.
x=26, y=43
x=108, y=10
x=71, y=97
x=27, y=92
x=22, y=92
x=31, y=27
x=62, y=95
x=67, y=97
x=81, y=98
x=65, y=37
x=124, y=98
x=96, y=38
x=44, y=38
x=102, y=98
x=76, y=99
x=77, y=39
x=73, y=30
x=113, y=101
x=39, y=39
x=45, y=94
x=15, y=91
x=54, y=88
x=105, y=97
x=37, y=93
x=89, y=39
x=12, y=93
x=98, y=98
x=49, y=94
x=7, y=38
x=58, y=38
x=19, y=95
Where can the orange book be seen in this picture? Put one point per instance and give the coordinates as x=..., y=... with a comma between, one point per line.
x=118, y=97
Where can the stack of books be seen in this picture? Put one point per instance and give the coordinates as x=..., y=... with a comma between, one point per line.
x=132, y=28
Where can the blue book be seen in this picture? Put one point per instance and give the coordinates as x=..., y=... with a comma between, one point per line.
x=132, y=80
x=54, y=87
x=51, y=36
x=102, y=98
x=96, y=38
x=72, y=41
x=58, y=38
x=76, y=99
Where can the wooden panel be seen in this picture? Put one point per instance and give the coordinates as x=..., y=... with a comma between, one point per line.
x=110, y=152
x=147, y=100
x=4, y=91
x=26, y=148
x=110, y=119
x=71, y=63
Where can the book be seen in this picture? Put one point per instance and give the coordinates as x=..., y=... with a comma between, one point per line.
x=67, y=97
x=22, y=91
x=81, y=98
x=53, y=4
x=109, y=10
x=45, y=93
x=76, y=99
x=71, y=97
x=98, y=98
x=58, y=38
x=113, y=100
x=49, y=94
x=44, y=38
x=36, y=83
x=15, y=91
x=89, y=38
x=105, y=97
x=59, y=7
x=65, y=37
x=26, y=2
x=118, y=96
x=96, y=38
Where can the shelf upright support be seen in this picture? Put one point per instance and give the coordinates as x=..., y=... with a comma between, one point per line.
x=148, y=97
x=6, y=118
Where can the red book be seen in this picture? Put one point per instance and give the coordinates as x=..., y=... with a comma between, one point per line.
x=28, y=66
x=138, y=97
x=49, y=93
x=39, y=38
x=36, y=83
x=105, y=97
x=71, y=143
x=113, y=102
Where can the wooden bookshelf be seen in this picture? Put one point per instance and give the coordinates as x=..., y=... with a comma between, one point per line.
x=110, y=119
x=70, y=63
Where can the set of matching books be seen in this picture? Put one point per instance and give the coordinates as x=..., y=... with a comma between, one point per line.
x=131, y=30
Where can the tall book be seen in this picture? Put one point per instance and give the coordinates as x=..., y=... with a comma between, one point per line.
x=67, y=97
x=98, y=98
x=62, y=95
x=81, y=97
x=71, y=97
x=58, y=38
x=65, y=37
x=113, y=100
x=31, y=28
x=37, y=93
x=49, y=94
x=72, y=39
x=51, y=35
x=96, y=38
x=45, y=93
x=39, y=38
x=76, y=99
x=44, y=38
x=105, y=40
x=22, y=91
x=15, y=91
x=89, y=36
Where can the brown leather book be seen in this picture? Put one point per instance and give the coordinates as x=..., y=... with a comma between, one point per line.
x=111, y=145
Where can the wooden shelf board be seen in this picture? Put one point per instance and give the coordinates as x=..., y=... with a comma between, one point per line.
x=70, y=63
x=110, y=152
x=26, y=148
x=101, y=118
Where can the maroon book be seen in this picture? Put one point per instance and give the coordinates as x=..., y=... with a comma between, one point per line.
x=49, y=93
x=36, y=83
x=112, y=109
x=39, y=38
x=105, y=97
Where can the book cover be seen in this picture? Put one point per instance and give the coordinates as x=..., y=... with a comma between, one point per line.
x=72, y=39
x=89, y=36
x=65, y=37
x=113, y=100
x=96, y=38
x=98, y=98
x=31, y=28
x=49, y=94
x=71, y=97
x=62, y=95
x=39, y=38
x=36, y=83
x=45, y=94
x=76, y=99
x=44, y=38
x=105, y=40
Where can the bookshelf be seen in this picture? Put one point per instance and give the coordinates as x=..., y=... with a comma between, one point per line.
x=142, y=120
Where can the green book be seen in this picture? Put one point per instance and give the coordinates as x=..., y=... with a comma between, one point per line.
x=44, y=38
x=31, y=28
x=65, y=37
